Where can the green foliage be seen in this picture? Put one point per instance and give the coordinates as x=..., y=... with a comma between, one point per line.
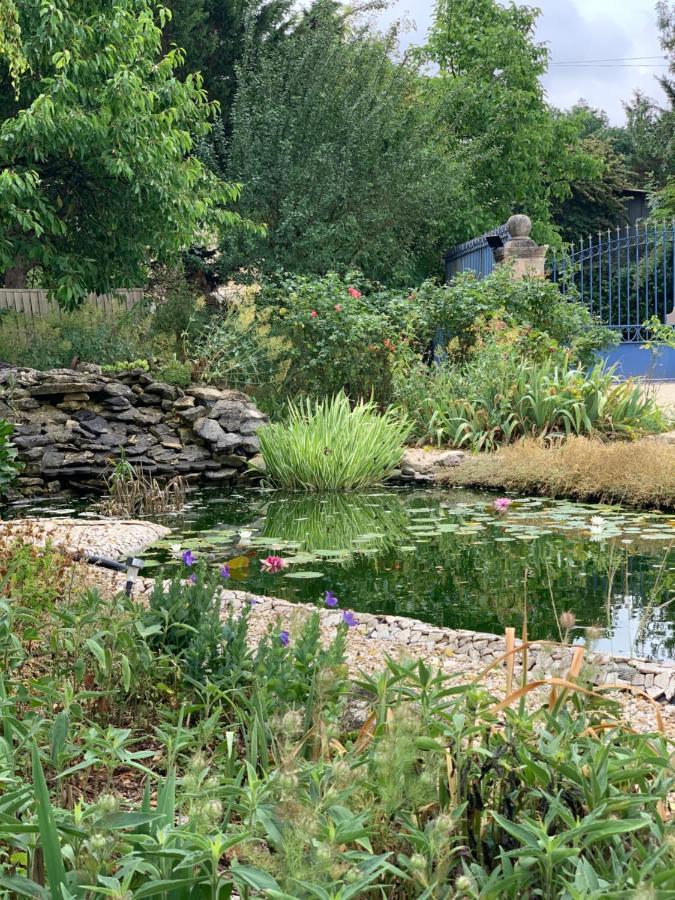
x=493, y=118
x=331, y=340
x=231, y=350
x=334, y=142
x=125, y=775
x=460, y=310
x=331, y=446
x=8, y=464
x=96, y=162
x=215, y=34
x=498, y=397
x=87, y=334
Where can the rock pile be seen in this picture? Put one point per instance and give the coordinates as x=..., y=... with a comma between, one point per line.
x=69, y=425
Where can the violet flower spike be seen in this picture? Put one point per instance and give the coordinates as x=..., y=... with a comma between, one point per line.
x=284, y=637
x=349, y=619
x=331, y=600
x=225, y=571
x=188, y=558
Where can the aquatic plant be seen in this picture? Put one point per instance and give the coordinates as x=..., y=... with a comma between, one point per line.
x=331, y=445
x=133, y=492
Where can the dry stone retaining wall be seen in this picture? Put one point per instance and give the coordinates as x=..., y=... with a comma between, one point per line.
x=70, y=424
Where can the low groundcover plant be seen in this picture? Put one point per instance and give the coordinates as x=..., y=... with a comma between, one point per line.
x=161, y=751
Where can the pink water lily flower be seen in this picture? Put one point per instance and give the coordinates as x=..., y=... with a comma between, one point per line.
x=273, y=564
x=501, y=504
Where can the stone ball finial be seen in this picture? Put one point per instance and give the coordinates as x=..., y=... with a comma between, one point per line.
x=519, y=226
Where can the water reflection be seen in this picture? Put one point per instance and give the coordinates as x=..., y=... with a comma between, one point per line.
x=451, y=559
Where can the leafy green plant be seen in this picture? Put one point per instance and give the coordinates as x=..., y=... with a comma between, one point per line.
x=89, y=334
x=8, y=453
x=497, y=398
x=330, y=445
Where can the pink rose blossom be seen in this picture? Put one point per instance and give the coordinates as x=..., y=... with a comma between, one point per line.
x=338, y=308
x=353, y=292
x=314, y=314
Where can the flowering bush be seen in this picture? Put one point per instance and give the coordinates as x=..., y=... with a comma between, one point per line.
x=336, y=335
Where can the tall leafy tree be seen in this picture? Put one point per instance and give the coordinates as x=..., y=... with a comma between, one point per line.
x=215, y=33
x=597, y=202
x=493, y=113
x=97, y=173
x=335, y=147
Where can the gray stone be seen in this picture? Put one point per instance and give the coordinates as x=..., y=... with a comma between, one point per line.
x=209, y=430
x=204, y=394
x=64, y=386
x=191, y=413
x=229, y=413
x=116, y=389
x=89, y=421
x=165, y=391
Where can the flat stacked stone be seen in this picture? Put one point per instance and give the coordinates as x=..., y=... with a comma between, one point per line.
x=70, y=426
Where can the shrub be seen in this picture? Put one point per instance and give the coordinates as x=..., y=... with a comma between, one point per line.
x=453, y=311
x=335, y=336
x=231, y=351
x=330, y=445
x=8, y=452
x=88, y=334
x=352, y=335
x=498, y=397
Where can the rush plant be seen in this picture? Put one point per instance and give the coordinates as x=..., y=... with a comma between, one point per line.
x=331, y=445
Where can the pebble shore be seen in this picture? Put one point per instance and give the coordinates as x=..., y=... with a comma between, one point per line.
x=643, y=686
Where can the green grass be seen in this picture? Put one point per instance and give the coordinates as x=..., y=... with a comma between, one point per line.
x=331, y=445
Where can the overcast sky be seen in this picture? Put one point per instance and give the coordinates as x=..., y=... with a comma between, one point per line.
x=580, y=30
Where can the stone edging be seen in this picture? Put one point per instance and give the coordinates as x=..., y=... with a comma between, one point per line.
x=481, y=648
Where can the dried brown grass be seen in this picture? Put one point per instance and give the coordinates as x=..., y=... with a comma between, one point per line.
x=641, y=473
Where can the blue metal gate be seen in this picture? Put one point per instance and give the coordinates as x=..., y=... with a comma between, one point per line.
x=625, y=277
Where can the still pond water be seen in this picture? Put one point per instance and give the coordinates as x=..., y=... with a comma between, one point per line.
x=447, y=557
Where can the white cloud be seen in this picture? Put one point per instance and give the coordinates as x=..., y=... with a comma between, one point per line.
x=579, y=30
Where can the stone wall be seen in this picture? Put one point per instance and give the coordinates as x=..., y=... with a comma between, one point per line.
x=69, y=425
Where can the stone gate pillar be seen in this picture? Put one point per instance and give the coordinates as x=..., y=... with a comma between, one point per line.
x=523, y=255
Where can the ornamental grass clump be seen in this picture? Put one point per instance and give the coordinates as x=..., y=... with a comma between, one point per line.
x=330, y=445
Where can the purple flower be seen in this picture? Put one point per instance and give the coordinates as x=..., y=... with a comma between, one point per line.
x=188, y=558
x=253, y=601
x=331, y=600
x=284, y=637
x=192, y=579
x=349, y=619
x=502, y=504
x=225, y=571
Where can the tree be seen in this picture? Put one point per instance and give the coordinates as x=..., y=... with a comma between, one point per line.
x=97, y=173
x=594, y=203
x=215, y=33
x=335, y=147
x=493, y=114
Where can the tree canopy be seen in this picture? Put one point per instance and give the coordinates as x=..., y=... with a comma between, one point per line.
x=97, y=173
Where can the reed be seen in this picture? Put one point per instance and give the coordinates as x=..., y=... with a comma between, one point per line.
x=330, y=445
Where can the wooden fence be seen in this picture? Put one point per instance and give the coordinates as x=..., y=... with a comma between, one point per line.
x=34, y=304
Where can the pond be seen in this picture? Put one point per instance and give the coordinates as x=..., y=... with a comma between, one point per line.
x=448, y=557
